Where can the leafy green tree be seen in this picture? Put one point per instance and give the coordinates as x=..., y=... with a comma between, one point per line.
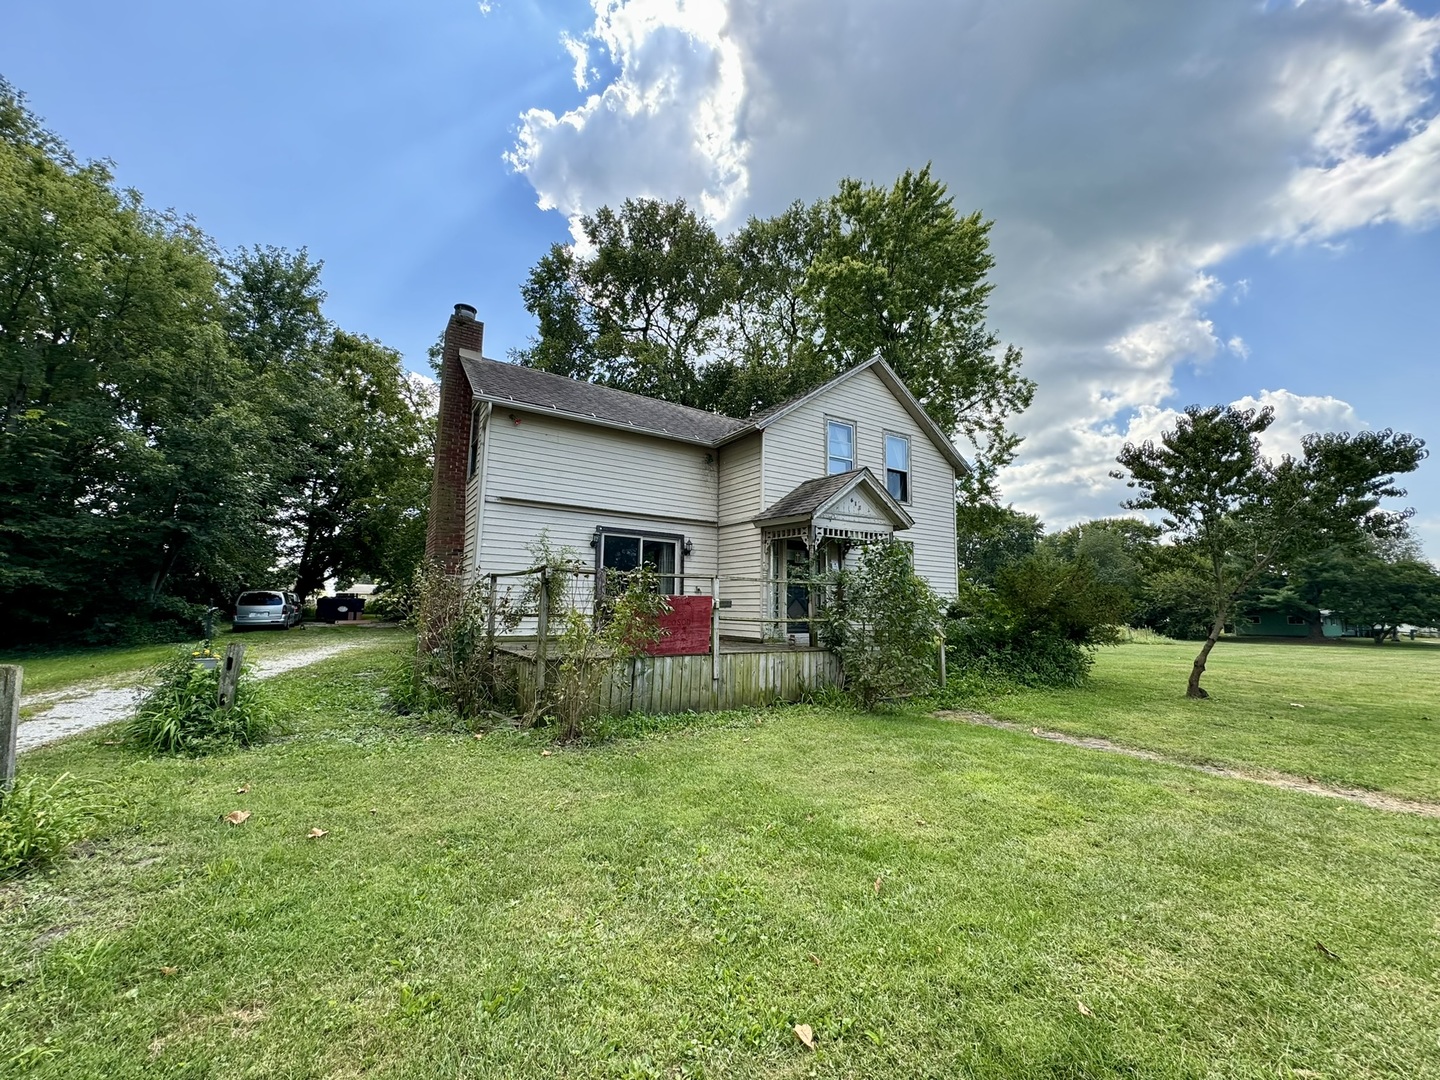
x=659, y=305
x=990, y=537
x=902, y=274
x=127, y=449
x=1363, y=589
x=170, y=421
x=642, y=311
x=350, y=444
x=1244, y=516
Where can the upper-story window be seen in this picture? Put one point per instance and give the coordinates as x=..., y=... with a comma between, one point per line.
x=839, y=446
x=897, y=467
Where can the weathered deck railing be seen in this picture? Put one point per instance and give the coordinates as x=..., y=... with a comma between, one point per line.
x=730, y=674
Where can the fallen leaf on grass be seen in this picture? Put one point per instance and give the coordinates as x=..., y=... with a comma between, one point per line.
x=1323, y=951
x=478, y=735
x=814, y=959
x=1034, y=731
x=878, y=882
x=1296, y=705
x=921, y=821
x=545, y=753
x=243, y=789
x=806, y=1035
x=169, y=971
x=315, y=834
x=237, y=817
x=1083, y=1010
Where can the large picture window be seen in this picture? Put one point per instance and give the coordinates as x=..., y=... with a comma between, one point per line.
x=897, y=467
x=839, y=446
x=623, y=552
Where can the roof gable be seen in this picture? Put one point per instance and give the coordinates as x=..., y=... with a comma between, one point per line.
x=893, y=383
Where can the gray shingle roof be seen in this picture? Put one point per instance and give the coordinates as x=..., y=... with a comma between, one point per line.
x=809, y=496
x=542, y=390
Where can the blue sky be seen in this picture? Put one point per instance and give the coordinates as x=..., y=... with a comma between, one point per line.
x=1221, y=202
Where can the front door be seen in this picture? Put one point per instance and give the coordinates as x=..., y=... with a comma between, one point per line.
x=797, y=588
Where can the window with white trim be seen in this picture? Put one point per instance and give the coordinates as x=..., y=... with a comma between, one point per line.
x=839, y=446
x=897, y=467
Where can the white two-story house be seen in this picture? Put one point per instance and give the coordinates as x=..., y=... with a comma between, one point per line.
x=629, y=480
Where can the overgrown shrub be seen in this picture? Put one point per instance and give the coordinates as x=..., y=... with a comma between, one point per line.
x=886, y=620
x=1039, y=623
x=989, y=651
x=40, y=820
x=179, y=711
x=590, y=646
x=455, y=666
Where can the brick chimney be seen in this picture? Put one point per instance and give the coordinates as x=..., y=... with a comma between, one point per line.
x=445, y=531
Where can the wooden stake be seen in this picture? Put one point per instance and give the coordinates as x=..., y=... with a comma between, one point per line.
x=230, y=673
x=542, y=632
x=715, y=629
x=11, y=676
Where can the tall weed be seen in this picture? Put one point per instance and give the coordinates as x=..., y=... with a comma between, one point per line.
x=179, y=711
x=40, y=819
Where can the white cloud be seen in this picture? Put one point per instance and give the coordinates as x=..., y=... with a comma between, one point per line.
x=1124, y=153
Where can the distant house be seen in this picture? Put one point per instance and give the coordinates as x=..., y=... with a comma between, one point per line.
x=1270, y=623
x=629, y=480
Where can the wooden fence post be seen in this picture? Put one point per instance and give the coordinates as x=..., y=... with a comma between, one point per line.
x=943, y=677
x=230, y=674
x=715, y=629
x=11, y=677
x=542, y=633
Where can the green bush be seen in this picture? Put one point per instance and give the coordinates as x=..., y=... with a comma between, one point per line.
x=1037, y=625
x=179, y=711
x=886, y=620
x=989, y=650
x=40, y=819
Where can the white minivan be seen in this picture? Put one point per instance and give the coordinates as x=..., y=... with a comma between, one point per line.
x=267, y=609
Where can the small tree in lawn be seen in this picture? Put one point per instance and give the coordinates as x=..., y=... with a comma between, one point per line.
x=1244, y=515
x=887, y=618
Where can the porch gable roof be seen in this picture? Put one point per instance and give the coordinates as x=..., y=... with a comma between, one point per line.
x=814, y=498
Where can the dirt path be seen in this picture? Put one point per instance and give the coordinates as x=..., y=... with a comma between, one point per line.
x=80, y=708
x=1287, y=781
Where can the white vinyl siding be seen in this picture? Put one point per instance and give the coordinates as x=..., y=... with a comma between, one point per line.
x=569, y=479
x=796, y=450
x=740, y=548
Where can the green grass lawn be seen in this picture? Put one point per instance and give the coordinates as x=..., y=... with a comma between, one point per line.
x=1370, y=716
x=62, y=669
x=672, y=905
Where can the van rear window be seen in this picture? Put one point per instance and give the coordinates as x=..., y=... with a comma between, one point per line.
x=260, y=599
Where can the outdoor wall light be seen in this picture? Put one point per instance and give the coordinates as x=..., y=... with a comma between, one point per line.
x=595, y=538
x=689, y=547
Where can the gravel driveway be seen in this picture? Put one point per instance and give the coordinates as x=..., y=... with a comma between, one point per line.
x=76, y=709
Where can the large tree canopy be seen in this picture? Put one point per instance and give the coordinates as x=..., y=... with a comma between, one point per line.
x=1243, y=515
x=174, y=425
x=656, y=303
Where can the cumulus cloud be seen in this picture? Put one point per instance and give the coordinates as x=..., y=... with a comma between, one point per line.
x=1123, y=151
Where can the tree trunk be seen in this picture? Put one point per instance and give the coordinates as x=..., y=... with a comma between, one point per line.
x=1193, y=688
x=1316, y=625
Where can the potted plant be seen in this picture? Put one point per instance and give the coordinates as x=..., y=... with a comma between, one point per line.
x=205, y=656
